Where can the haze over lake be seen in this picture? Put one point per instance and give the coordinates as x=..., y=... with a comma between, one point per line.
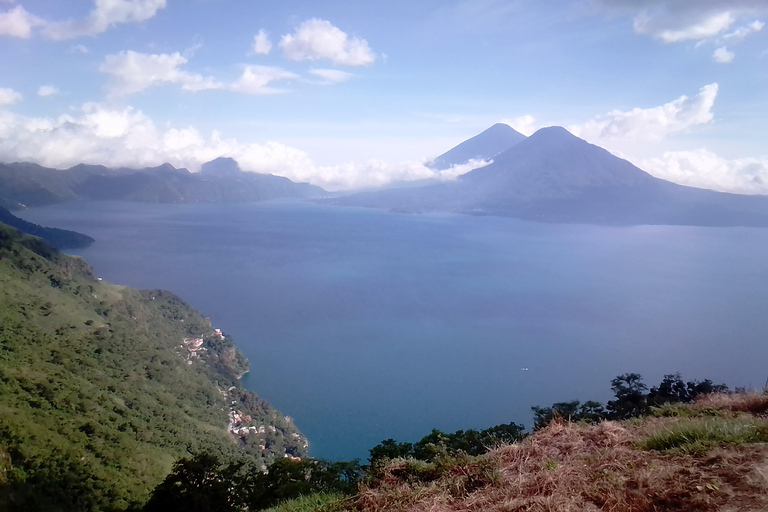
x=364, y=325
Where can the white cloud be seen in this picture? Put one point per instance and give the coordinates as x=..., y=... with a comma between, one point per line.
x=319, y=40
x=261, y=43
x=707, y=26
x=740, y=33
x=524, y=124
x=255, y=80
x=106, y=14
x=131, y=72
x=18, y=23
x=704, y=169
x=653, y=123
x=704, y=21
x=331, y=76
x=47, y=90
x=723, y=56
x=9, y=96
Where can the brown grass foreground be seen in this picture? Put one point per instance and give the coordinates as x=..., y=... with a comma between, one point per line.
x=608, y=467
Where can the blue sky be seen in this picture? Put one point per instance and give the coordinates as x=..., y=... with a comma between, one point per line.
x=357, y=94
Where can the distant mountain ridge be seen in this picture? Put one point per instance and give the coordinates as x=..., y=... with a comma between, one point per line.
x=57, y=238
x=484, y=146
x=27, y=184
x=554, y=176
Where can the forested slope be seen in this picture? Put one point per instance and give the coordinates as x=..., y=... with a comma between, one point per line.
x=102, y=387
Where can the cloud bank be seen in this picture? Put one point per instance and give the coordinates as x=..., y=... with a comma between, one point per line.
x=654, y=123
x=99, y=134
x=704, y=169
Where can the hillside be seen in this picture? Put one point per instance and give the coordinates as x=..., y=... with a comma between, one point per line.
x=104, y=387
x=554, y=176
x=27, y=184
x=710, y=455
x=58, y=238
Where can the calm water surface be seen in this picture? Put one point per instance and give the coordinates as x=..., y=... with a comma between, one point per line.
x=365, y=325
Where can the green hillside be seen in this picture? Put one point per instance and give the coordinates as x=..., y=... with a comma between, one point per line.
x=102, y=387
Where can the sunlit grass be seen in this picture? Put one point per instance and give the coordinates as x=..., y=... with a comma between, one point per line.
x=696, y=435
x=318, y=502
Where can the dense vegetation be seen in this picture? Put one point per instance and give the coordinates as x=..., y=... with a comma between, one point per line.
x=632, y=399
x=100, y=394
x=58, y=238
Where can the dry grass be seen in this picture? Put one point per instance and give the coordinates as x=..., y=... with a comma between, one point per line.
x=569, y=467
x=752, y=403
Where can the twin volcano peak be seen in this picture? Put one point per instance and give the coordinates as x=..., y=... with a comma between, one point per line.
x=484, y=146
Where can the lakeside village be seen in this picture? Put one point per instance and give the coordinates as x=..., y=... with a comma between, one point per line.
x=238, y=422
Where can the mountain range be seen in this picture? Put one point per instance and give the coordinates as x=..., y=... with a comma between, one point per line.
x=221, y=180
x=554, y=176
x=551, y=176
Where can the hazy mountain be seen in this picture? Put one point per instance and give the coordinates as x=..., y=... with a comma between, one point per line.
x=496, y=139
x=58, y=238
x=553, y=176
x=221, y=180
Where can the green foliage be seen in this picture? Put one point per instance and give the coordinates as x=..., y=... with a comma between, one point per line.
x=631, y=400
x=316, y=502
x=437, y=443
x=673, y=390
x=630, y=397
x=97, y=399
x=207, y=483
x=589, y=411
x=696, y=435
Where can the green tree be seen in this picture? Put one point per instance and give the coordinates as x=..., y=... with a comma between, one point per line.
x=630, y=397
x=201, y=483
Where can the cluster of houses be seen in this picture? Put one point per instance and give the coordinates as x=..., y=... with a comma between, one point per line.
x=195, y=346
x=238, y=424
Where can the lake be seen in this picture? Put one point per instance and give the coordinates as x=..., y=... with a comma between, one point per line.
x=364, y=325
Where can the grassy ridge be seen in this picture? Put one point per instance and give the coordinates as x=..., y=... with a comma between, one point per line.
x=99, y=395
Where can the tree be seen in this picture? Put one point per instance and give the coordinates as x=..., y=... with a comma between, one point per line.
x=390, y=449
x=590, y=411
x=630, y=397
x=198, y=484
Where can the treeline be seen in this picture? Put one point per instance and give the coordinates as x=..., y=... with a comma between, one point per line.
x=632, y=398
x=206, y=483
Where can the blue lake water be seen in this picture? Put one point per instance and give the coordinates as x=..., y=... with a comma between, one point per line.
x=364, y=325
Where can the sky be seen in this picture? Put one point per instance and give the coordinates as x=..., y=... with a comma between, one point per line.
x=350, y=95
